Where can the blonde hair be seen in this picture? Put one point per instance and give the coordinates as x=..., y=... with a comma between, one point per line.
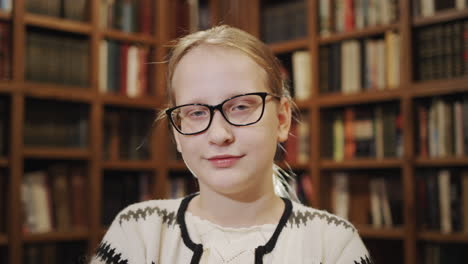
x=230, y=37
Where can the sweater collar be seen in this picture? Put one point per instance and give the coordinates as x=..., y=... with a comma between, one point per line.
x=260, y=251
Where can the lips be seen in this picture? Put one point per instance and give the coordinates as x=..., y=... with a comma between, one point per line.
x=224, y=161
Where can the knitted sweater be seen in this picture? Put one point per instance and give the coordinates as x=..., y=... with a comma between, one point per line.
x=161, y=232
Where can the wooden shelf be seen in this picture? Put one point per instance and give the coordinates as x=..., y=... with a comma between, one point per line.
x=6, y=86
x=289, y=46
x=3, y=162
x=361, y=164
x=56, y=153
x=439, y=87
x=339, y=99
x=128, y=37
x=147, y=102
x=57, y=24
x=441, y=162
x=58, y=92
x=3, y=240
x=128, y=165
x=434, y=236
x=367, y=32
x=57, y=236
x=440, y=17
x=177, y=165
x=367, y=231
x=6, y=16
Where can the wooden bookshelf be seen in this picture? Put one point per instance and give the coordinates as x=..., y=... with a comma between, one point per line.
x=339, y=99
x=440, y=17
x=289, y=46
x=442, y=162
x=58, y=24
x=361, y=164
x=57, y=236
x=367, y=32
x=381, y=233
x=439, y=237
x=20, y=93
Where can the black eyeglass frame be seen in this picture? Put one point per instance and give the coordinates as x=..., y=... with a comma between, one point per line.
x=219, y=107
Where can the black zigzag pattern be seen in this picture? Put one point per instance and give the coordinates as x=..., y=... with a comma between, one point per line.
x=298, y=217
x=168, y=218
x=364, y=260
x=108, y=254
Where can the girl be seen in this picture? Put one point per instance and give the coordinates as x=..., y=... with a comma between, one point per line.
x=229, y=110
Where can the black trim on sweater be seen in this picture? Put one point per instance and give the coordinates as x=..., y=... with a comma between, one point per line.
x=260, y=251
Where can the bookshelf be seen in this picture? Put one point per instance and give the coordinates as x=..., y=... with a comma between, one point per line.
x=410, y=240
x=30, y=102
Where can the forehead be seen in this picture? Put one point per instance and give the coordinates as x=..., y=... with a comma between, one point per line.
x=213, y=72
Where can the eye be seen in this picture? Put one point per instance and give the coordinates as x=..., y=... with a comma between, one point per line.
x=240, y=107
x=198, y=113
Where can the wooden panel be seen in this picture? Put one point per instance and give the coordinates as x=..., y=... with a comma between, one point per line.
x=129, y=37
x=368, y=32
x=432, y=236
x=339, y=99
x=361, y=164
x=289, y=46
x=56, y=153
x=440, y=17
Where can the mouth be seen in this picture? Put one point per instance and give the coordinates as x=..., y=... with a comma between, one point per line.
x=224, y=161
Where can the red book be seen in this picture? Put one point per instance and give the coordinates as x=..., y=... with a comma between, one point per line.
x=78, y=199
x=145, y=17
x=143, y=60
x=349, y=15
x=123, y=68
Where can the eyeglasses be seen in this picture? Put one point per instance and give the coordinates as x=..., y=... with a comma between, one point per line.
x=239, y=110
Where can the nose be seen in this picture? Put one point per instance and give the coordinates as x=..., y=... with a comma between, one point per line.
x=220, y=131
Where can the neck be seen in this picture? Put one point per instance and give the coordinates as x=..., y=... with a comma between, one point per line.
x=238, y=210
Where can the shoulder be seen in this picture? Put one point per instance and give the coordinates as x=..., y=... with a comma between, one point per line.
x=303, y=216
x=165, y=210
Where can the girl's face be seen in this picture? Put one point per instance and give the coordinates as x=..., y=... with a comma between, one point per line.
x=228, y=159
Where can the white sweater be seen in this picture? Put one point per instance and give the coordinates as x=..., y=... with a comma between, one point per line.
x=152, y=232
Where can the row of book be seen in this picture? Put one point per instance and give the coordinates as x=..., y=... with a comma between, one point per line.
x=57, y=59
x=350, y=15
x=284, y=22
x=127, y=135
x=430, y=7
x=55, y=253
x=297, y=147
x=6, y=5
x=357, y=65
x=368, y=199
x=52, y=124
x=128, y=15
x=440, y=253
x=443, y=127
x=363, y=133
x=442, y=51
x=5, y=51
x=68, y=9
x=124, y=69
x=54, y=199
x=120, y=189
x=442, y=197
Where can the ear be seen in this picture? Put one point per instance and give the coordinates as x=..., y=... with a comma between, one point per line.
x=284, y=119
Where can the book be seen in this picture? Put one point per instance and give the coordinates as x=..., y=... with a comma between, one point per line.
x=444, y=201
x=340, y=195
x=302, y=74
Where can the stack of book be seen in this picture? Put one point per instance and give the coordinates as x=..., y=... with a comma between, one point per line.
x=126, y=135
x=127, y=15
x=284, y=22
x=430, y=7
x=57, y=59
x=442, y=51
x=50, y=124
x=54, y=199
x=349, y=15
x=297, y=147
x=124, y=69
x=364, y=133
x=443, y=199
x=443, y=127
x=69, y=9
x=360, y=65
